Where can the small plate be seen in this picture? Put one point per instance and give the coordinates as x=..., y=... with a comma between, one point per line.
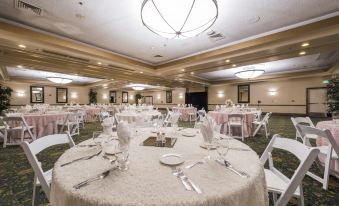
x=204, y=146
x=189, y=133
x=172, y=159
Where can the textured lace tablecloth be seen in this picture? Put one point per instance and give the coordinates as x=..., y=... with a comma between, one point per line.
x=334, y=128
x=133, y=116
x=185, y=111
x=148, y=182
x=222, y=118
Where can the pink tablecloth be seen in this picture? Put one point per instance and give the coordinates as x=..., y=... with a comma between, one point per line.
x=334, y=128
x=92, y=114
x=184, y=112
x=222, y=118
x=46, y=124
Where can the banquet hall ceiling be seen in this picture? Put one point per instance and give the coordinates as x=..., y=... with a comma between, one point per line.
x=116, y=25
x=116, y=48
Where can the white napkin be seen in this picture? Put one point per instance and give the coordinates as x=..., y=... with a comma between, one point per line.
x=217, y=107
x=108, y=121
x=207, y=129
x=124, y=133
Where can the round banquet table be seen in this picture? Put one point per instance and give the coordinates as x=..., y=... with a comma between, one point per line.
x=132, y=116
x=222, y=118
x=334, y=128
x=45, y=124
x=184, y=112
x=92, y=114
x=148, y=182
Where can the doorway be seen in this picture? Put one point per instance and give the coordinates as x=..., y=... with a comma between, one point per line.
x=316, y=102
x=197, y=99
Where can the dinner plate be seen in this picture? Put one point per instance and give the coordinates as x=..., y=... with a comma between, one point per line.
x=172, y=159
x=202, y=145
x=189, y=133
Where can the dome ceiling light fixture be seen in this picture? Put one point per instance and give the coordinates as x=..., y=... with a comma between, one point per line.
x=59, y=80
x=137, y=87
x=178, y=19
x=251, y=72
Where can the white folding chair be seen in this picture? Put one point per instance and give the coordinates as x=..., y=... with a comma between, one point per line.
x=70, y=126
x=263, y=122
x=20, y=127
x=43, y=179
x=277, y=182
x=81, y=117
x=103, y=115
x=329, y=152
x=302, y=120
x=234, y=121
x=166, y=120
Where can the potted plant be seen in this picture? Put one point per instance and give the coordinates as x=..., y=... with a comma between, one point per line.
x=138, y=98
x=92, y=96
x=5, y=98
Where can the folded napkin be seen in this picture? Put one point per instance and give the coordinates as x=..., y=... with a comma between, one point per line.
x=207, y=129
x=124, y=133
x=174, y=117
x=217, y=107
x=108, y=121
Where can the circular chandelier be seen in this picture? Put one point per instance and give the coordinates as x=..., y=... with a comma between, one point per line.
x=179, y=19
x=249, y=74
x=59, y=80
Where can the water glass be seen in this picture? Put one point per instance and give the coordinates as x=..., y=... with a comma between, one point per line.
x=122, y=158
x=222, y=148
x=97, y=139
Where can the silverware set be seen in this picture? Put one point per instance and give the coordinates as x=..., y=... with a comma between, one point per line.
x=82, y=158
x=189, y=185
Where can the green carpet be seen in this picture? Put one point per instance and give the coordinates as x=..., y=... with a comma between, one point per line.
x=16, y=175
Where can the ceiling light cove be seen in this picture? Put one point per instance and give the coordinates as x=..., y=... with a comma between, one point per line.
x=179, y=19
x=249, y=74
x=21, y=46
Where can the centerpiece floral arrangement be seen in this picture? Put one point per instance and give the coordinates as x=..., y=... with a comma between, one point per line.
x=228, y=103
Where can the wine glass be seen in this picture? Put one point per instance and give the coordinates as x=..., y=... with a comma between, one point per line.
x=222, y=146
x=122, y=157
x=208, y=142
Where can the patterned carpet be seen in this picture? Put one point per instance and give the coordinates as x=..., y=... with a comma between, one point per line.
x=16, y=175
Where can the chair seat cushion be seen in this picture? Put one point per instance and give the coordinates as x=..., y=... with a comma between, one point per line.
x=277, y=184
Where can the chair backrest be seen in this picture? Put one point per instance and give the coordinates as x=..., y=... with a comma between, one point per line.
x=236, y=117
x=307, y=130
x=174, y=117
x=302, y=120
x=32, y=149
x=301, y=151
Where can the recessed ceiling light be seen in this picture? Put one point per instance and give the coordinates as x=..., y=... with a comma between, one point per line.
x=99, y=63
x=305, y=44
x=234, y=65
x=192, y=72
x=141, y=72
x=21, y=46
x=105, y=85
x=302, y=53
x=227, y=60
x=183, y=70
x=19, y=66
x=112, y=79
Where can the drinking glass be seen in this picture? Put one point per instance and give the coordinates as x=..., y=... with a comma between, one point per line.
x=97, y=139
x=122, y=157
x=208, y=142
x=222, y=146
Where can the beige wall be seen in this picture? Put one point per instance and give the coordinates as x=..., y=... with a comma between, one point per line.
x=288, y=92
x=75, y=94
x=103, y=96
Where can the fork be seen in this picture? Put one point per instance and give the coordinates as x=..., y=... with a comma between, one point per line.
x=178, y=174
x=185, y=178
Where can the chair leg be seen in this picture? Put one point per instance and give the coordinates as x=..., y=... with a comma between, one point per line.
x=301, y=200
x=257, y=129
x=35, y=193
x=266, y=133
x=327, y=170
x=242, y=132
x=5, y=139
x=275, y=197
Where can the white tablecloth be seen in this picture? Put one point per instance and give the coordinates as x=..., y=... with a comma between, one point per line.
x=148, y=182
x=132, y=116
